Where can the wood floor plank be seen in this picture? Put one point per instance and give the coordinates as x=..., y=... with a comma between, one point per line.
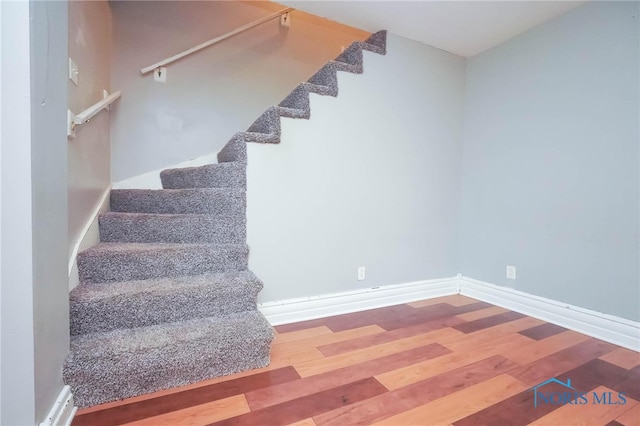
x=301, y=334
x=559, y=362
x=199, y=414
x=329, y=338
x=406, y=376
x=623, y=357
x=468, y=342
x=543, y=331
x=482, y=313
x=387, y=336
x=305, y=422
x=283, y=357
x=453, y=300
x=589, y=413
x=448, y=409
x=130, y=412
x=493, y=320
x=309, y=406
x=317, y=366
x=631, y=417
x=273, y=395
x=417, y=394
x=542, y=348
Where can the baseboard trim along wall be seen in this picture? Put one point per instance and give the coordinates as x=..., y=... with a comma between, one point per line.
x=606, y=327
x=63, y=411
x=612, y=329
x=306, y=308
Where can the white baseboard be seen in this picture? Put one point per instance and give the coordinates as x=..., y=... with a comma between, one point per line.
x=306, y=308
x=151, y=180
x=62, y=411
x=609, y=328
x=606, y=327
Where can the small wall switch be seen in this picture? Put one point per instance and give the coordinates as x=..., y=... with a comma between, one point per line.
x=73, y=71
x=361, y=274
x=511, y=272
x=285, y=20
x=160, y=75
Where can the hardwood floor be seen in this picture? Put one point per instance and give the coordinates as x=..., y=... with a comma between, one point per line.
x=447, y=361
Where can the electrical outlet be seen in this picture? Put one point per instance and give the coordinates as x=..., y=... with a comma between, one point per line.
x=160, y=75
x=361, y=273
x=511, y=272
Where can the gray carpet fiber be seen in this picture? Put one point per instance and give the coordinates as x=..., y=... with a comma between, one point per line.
x=166, y=299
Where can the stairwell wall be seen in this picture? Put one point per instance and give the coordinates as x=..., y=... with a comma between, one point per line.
x=90, y=40
x=214, y=93
x=35, y=327
x=550, y=172
x=371, y=180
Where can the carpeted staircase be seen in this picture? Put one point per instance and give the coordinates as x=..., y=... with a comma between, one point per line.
x=166, y=299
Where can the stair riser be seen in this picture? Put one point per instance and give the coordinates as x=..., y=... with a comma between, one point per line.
x=173, y=229
x=144, y=374
x=123, y=364
x=223, y=202
x=149, y=308
x=224, y=175
x=126, y=266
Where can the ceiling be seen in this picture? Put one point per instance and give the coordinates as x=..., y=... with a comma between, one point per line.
x=464, y=28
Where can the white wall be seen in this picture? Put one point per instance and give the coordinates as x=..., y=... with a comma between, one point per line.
x=17, y=332
x=212, y=94
x=89, y=152
x=35, y=329
x=372, y=179
x=550, y=171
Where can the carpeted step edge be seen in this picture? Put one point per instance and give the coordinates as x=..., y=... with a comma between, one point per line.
x=131, y=304
x=112, y=262
x=120, y=364
x=222, y=201
x=230, y=174
x=377, y=42
x=172, y=228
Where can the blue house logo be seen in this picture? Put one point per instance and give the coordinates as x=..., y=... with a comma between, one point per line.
x=548, y=397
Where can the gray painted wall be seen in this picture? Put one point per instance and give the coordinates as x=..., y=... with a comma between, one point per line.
x=550, y=168
x=89, y=152
x=35, y=329
x=372, y=179
x=212, y=94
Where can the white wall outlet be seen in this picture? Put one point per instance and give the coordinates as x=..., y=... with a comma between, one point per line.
x=160, y=75
x=73, y=71
x=285, y=20
x=511, y=272
x=361, y=272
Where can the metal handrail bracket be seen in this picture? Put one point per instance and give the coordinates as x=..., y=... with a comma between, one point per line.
x=74, y=120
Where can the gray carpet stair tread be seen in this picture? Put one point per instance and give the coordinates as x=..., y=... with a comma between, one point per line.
x=377, y=42
x=222, y=201
x=231, y=174
x=124, y=363
x=110, y=262
x=172, y=228
x=130, y=304
x=234, y=150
